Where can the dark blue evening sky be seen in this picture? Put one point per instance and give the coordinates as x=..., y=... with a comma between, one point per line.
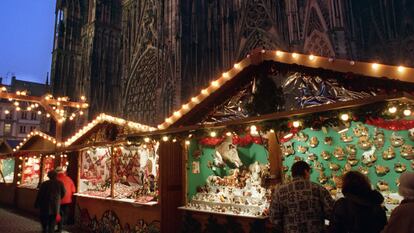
x=26, y=38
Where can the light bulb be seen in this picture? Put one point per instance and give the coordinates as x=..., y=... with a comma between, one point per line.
x=407, y=112
x=296, y=124
x=392, y=109
x=213, y=134
x=344, y=117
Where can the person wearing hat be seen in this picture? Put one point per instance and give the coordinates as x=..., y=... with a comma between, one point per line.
x=402, y=217
x=67, y=199
x=48, y=201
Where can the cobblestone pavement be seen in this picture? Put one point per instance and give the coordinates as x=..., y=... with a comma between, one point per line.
x=12, y=221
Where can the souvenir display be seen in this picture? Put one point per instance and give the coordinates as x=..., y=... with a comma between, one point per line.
x=346, y=138
x=328, y=141
x=388, y=153
x=30, y=172
x=407, y=151
x=95, y=172
x=313, y=142
x=339, y=153
x=379, y=138
x=325, y=155
x=7, y=170
x=234, y=185
x=400, y=167
x=396, y=140
x=364, y=142
x=136, y=173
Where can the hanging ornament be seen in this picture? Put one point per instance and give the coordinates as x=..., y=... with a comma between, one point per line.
x=364, y=142
x=325, y=155
x=383, y=186
x=334, y=166
x=407, y=151
x=360, y=130
x=302, y=149
x=328, y=141
x=287, y=149
x=363, y=170
x=313, y=142
x=400, y=167
x=345, y=138
x=381, y=170
x=312, y=157
x=339, y=153
x=388, y=154
x=352, y=160
x=351, y=149
x=379, y=138
x=396, y=140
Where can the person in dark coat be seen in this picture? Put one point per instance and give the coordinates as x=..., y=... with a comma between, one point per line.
x=48, y=201
x=360, y=210
x=402, y=217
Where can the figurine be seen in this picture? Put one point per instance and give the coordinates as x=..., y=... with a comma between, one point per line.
x=227, y=151
x=333, y=166
x=325, y=155
x=411, y=134
x=396, y=140
x=339, y=153
x=369, y=157
x=351, y=149
x=328, y=141
x=322, y=177
x=364, y=142
x=312, y=157
x=313, y=142
x=381, y=170
x=388, y=153
x=352, y=160
x=363, y=170
x=383, y=186
x=407, y=151
x=400, y=167
x=379, y=138
x=302, y=149
x=360, y=130
x=318, y=166
x=287, y=149
x=302, y=137
x=346, y=138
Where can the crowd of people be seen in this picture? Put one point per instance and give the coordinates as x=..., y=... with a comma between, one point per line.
x=302, y=206
x=53, y=200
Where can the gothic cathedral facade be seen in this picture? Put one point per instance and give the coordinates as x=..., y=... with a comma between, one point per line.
x=139, y=59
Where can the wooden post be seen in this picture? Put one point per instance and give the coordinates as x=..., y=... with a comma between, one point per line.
x=112, y=171
x=79, y=171
x=275, y=159
x=184, y=167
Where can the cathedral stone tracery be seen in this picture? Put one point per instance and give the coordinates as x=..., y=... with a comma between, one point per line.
x=141, y=59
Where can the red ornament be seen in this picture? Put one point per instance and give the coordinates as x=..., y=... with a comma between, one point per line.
x=391, y=124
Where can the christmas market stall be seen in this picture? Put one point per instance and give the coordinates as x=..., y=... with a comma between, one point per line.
x=117, y=180
x=244, y=131
x=35, y=157
x=7, y=174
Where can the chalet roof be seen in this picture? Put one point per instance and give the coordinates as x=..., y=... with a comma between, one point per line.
x=199, y=105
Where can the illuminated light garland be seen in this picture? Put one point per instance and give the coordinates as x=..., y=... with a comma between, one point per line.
x=111, y=119
x=33, y=134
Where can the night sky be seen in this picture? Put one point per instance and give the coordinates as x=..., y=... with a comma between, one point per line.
x=26, y=38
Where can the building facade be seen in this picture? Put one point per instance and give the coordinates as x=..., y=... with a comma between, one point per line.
x=15, y=125
x=140, y=59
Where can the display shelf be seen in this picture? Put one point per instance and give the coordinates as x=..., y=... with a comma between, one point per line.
x=222, y=213
x=124, y=200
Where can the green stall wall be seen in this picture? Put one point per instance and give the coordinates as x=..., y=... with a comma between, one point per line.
x=390, y=177
x=248, y=155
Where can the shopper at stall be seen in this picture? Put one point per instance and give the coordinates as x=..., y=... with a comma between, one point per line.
x=360, y=210
x=67, y=199
x=300, y=205
x=402, y=218
x=48, y=201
